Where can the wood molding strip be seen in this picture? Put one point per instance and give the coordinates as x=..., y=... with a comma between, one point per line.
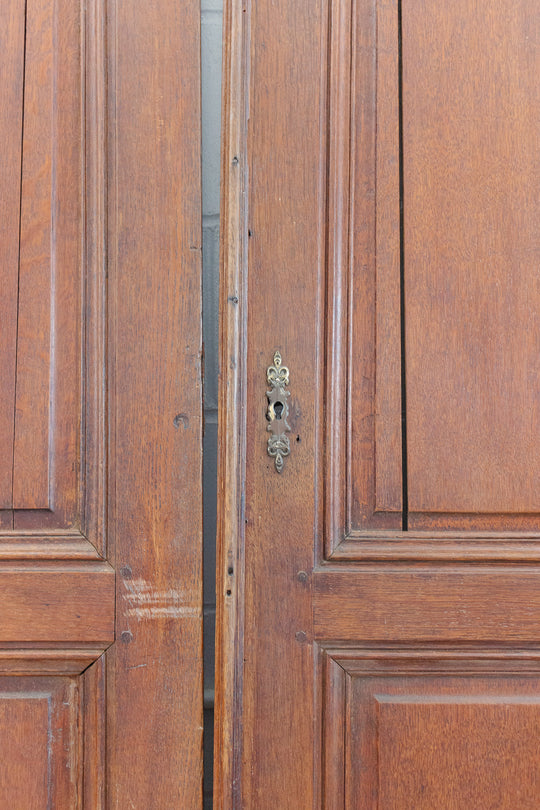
x=231, y=461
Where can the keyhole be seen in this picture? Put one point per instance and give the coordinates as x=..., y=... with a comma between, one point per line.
x=278, y=409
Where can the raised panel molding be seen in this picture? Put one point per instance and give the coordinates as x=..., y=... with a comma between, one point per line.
x=361, y=440
x=57, y=592
x=375, y=698
x=59, y=394
x=51, y=753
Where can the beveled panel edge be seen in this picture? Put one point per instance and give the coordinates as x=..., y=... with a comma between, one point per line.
x=436, y=547
x=452, y=660
x=48, y=661
x=338, y=663
x=90, y=498
x=343, y=97
x=93, y=490
x=334, y=445
x=42, y=546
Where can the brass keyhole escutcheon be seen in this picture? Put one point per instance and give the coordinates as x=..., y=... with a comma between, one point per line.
x=277, y=412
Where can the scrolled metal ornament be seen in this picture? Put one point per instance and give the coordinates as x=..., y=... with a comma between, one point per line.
x=277, y=412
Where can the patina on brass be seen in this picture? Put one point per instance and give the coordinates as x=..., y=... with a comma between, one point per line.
x=277, y=412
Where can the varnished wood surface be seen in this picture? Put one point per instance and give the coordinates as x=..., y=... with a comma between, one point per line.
x=471, y=176
x=54, y=603
x=100, y=426
x=40, y=753
x=388, y=716
x=12, y=70
x=154, y=691
x=328, y=606
x=231, y=422
x=406, y=602
x=37, y=264
x=280, y=187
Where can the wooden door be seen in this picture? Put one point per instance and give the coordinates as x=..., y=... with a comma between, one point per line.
x=380, y=595
x=100, y=498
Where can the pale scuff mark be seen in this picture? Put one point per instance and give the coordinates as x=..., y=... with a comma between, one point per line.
x=144, y=601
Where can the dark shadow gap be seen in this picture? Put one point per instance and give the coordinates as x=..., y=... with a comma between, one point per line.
x=404, y=478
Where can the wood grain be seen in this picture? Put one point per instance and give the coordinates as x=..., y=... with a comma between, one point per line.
x=39, y=749
x=47, y=473
x=231, y=422
x=471, y=125
x=416, y=735
x=387, y=399
x=411, y=603
x=281, y=189
x=107, y=414
x=31, y=462
x=154, y=692
x=475, y=770
x=12, y=71
x=24, y=722
x=51, y=602
x=447, y=613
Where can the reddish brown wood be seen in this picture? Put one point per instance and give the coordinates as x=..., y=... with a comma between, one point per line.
x=354, y=656
x=471, y=213
x=483, y=728
x=105, y=417
x=48, y=347
x=363, y=425
x=24, y=759
x=12, y=69
x=401, y=717
x=37, y=265
x=95, y=754
x=54, y=603
x=387, y=399
x=287, y=266
x=231, y=447
x=40, y=751
x=154, y=689
x=460, y=603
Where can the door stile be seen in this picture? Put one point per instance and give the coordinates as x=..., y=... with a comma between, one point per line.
x=231, y=427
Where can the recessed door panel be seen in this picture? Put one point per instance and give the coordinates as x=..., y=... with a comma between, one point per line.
x=471, y=126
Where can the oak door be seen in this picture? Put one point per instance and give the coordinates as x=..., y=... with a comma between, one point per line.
x=99, y=406
x=380, y=530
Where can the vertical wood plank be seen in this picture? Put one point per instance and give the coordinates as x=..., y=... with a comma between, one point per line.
x=471, y=131
x=31, y=463
x=12, y=22
x=372, y=467
x=388, y=483
x=24, y=723
x=93, y=706
x=285, y=224
x=155, y=669
x=50, y=362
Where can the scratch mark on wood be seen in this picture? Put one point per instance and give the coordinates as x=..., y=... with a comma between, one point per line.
x=144, y=601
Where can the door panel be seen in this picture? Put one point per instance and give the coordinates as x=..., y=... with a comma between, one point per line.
x=392, y=713
x=100, y=425
x=472, y=291
x=363, y=385
x=12, y=69
x=40, y=745
x=379, y=614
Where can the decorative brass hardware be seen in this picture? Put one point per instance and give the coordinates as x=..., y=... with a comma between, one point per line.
x=277, y=412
